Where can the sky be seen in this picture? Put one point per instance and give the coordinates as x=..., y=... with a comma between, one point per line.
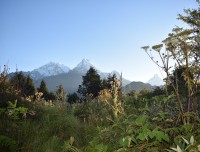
x=110, y=33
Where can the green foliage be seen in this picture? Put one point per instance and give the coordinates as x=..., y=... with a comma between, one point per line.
x=109, y=81
x=7, y=144
x=94, y=147
x=67, y=147
x=146, y=121
x=47, y=131
x=91, y=83
x=145, y=128
x=73, y=98
x=19, y=83
x=61, y=95
x=182, y=48
x=4, y=80
x=140, y=120
x=29, y=88
x=186, y=145
x=17, y=113
x=12, y=105
x=43, y=88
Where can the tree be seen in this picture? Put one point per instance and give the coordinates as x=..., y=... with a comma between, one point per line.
x=29, y=86
x=19, y=83
x=91, y=83
x=73, y=98
x=6, y=88
x=107, y=84
x=61, y=95
x=43, y=88
x=5, y=84
x=51, y=96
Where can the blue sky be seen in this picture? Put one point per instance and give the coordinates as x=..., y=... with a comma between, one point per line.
x=109, y=33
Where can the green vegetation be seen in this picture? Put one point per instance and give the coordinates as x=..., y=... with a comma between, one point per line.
x=105, y=119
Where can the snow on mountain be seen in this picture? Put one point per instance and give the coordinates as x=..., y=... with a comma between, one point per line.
x=156, y=81
x=53, y=74
x=49, y=69
x=84, y=66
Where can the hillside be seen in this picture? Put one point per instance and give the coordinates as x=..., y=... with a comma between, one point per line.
x=137, y=86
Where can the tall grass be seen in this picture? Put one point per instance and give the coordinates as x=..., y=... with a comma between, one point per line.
x=47, y=131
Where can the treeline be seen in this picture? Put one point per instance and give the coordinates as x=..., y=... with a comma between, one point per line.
x=20, y=86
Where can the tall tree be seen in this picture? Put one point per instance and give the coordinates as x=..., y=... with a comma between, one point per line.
x=91, y=83
x=73, y=98
x=107, y=84
x=61, y=95
x=5, y=85
x=19, y=83
x=43, y=88
x=29, y=87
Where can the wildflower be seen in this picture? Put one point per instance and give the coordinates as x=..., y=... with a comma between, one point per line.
x=157, y=47
x=145, y=48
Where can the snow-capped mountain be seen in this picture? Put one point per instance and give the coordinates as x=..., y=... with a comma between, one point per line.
x=49, y=69
x=84, y=66
x=156, y=81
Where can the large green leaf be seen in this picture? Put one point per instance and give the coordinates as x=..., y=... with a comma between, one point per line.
x=141, y=120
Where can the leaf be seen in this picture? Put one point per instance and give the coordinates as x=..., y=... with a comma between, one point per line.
x=192, y=140
x=187, y=142
x=166, y=138
x=122, y=150
x=71, y=141
x=101, y=148
x=173, y=149
x=168, y=120
x=126, y=141
x=151, y=134
x=133, y=139
x=141, y=119
x=155, y=118
x=141, y=136
x=178, y=149
x=160, y=135
x=22, y=110
x=198, y=147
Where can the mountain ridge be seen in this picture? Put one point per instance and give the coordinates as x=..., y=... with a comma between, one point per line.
x=137, y=86
x=55, y=74
x=73, y=78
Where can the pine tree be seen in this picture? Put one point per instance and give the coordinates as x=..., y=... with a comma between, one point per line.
x=110, y=80
x=29, y=87
x=73, y=98
x=19, y=83
x=43, y=88
x=91, y=83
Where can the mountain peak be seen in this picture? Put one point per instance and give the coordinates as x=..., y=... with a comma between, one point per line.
x=85, y=62
x=156, y=80
x=49, y=69
x=84, y=66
